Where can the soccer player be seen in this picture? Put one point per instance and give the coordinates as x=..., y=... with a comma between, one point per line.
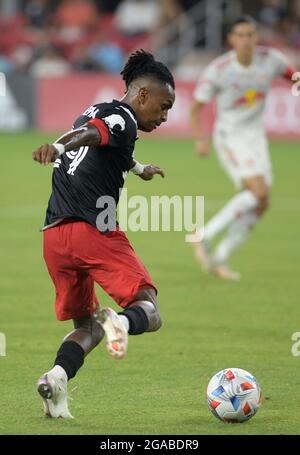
x=239, y=80
x=91, y=162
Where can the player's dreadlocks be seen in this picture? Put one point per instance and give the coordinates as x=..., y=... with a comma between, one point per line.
x=142, y=63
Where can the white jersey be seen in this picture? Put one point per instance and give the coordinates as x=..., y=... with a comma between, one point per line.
x=240, y=91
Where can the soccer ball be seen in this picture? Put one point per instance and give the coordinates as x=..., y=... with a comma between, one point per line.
x=233, y=395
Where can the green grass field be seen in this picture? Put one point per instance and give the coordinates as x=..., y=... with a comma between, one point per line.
x=208, y=324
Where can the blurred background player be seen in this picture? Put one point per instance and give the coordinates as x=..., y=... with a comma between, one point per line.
x=240, y=81
x=91, y=161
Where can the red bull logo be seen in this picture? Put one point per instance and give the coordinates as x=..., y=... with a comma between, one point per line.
x=250, y=98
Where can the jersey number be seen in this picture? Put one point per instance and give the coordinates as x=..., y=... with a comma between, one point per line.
x=76, y=158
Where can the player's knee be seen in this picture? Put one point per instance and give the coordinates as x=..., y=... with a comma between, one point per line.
x=147, y=294
x=262, y=196
x=143, y=317
x=153, y=316
x=258, y=187
x=146, y=299
x=263, y=204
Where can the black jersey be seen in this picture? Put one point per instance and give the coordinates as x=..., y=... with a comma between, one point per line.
x=82, y=176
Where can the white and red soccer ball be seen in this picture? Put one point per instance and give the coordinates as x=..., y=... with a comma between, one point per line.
x=233, y=395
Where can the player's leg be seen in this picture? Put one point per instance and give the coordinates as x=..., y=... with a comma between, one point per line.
x=87, y=332
x=246, y=161
x=229, y=156
x=240, y=228
x=117, y=269
x=79, y=343
x=239, y=206
x=142, y=313
x=52, y=386
x=238, y=160
x=236, y=236
x=140, y=316
x=259, y=187
x=75, y=299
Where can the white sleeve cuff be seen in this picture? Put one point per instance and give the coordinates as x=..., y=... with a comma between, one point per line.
x=60, y=148
x=138, y=168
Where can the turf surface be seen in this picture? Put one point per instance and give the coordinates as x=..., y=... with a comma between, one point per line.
x=208, y=325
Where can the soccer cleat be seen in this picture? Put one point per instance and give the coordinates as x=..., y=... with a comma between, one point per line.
x=117, y=336
x=225, y=273
x=53, y=392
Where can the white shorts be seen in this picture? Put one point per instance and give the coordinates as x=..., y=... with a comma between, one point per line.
x=244, y=155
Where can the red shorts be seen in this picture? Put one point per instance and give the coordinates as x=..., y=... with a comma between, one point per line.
x=78, y=255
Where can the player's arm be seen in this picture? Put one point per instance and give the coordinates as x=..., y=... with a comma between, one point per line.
x=86, y=135
x=146, y=171
x=283, y=67
x=206, y=89
x=201, y=140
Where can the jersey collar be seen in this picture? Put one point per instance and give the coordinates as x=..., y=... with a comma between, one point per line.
x=126, y=106
x=129, y=111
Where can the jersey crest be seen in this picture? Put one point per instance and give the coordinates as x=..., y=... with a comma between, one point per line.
x=115, y=121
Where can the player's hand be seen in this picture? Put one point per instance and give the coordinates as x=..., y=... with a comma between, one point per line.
x=45, y=154
x=149, y=172
x=202, y=147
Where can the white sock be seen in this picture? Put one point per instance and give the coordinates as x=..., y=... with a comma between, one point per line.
x=237, y=206
x=58, y=373
x=236, y=236
x=125, y=321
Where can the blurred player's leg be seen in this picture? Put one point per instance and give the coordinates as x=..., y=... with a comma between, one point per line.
x=239, y=229
x=247, y=163
x=237, y=234
x=259, y=186
x=240, y=204
x=201, y=250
